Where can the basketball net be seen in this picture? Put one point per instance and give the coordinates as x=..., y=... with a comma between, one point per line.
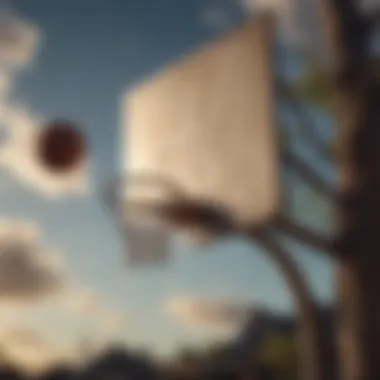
x=135, y=201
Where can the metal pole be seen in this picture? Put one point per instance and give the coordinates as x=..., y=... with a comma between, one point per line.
x=313, y=363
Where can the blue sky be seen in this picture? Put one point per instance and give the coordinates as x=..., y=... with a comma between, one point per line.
x=90, y=52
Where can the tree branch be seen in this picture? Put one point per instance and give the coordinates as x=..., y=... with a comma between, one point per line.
x=307, y=173
x=304, y=119
x=306, y=236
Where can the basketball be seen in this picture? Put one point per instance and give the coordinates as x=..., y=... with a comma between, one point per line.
x=60, y=146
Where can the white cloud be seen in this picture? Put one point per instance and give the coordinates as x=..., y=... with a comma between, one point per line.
x=33, y=349
x=110, y=323
x=29, y=271
x=18, y=40
x=209, y=313
x=33, y=345
x=24, y=335
x=18, y=156
x=18, y=45
x=79, y=302
x=106, y=321
x=215, y=17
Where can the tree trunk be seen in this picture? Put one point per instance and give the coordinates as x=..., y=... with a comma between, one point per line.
x=358, y=244
x=358, y=272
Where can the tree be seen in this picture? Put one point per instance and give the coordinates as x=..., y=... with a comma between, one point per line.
x=355, y=81
x=358, y=244
x=351, y=77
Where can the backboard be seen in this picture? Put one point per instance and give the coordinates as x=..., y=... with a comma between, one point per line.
x=206, y=123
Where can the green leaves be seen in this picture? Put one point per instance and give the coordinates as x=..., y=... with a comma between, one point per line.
x=315, y=84
x=278, y=352
x=316, y=87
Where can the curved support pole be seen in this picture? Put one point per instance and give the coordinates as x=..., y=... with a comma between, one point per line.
x=213, y=219
x=311, y=345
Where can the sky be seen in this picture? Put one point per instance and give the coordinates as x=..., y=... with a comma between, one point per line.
x=76, y=60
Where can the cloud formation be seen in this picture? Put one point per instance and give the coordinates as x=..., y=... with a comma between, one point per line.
x=18, y=40
x=33, y=349
x=25, y=336
x=106, y=321
x=209, y=313
x=21, y=126
x=215, y=17
x=109, y=325
x=28, y=270
x=79, y=302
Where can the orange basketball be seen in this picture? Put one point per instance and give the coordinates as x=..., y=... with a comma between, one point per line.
x=61, y=146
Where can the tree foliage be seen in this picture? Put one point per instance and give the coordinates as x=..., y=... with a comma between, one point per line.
x=316, y=84
x=278, y=353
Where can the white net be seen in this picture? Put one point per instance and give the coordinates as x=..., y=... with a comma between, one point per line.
x=148, y=243
x=147, y=236
x=148, y=233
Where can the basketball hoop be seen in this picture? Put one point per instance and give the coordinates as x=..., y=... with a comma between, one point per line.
x=206, y=125
x=149, y=210
x=133, y=200
x=139, y=197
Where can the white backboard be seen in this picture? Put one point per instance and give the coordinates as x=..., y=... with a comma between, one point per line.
x=207, y=123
